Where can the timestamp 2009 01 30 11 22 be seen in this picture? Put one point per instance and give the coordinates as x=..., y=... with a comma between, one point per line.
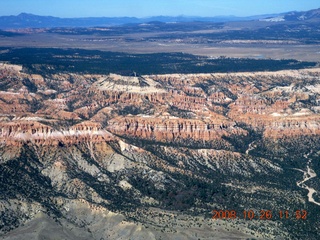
x=261, y=214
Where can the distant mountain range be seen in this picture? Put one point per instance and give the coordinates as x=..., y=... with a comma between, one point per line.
x=312, y=15
x=26, y=20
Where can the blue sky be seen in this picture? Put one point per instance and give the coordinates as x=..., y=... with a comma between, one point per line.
x=146, y=8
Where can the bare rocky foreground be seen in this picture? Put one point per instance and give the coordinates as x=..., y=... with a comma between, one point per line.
x=149, y=157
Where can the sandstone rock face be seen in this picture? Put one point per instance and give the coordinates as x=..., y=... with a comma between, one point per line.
x=31, y=131
x=157, y=107
x=168, y=130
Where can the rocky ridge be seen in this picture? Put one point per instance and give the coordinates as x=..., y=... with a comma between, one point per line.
x=156, y=144
x=162, y=107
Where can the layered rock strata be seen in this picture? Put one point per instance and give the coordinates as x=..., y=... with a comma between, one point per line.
x=157, y=107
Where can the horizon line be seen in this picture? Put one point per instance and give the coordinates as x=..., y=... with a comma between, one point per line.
x=180, y=15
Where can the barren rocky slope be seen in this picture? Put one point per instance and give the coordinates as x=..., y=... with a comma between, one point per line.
x=149, y=157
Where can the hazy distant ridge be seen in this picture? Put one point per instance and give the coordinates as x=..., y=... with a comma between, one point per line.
x=26, y=20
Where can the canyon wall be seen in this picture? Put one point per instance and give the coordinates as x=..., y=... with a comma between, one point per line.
x=69, y=108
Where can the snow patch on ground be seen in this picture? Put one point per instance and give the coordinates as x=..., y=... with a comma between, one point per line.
x=274, y=19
